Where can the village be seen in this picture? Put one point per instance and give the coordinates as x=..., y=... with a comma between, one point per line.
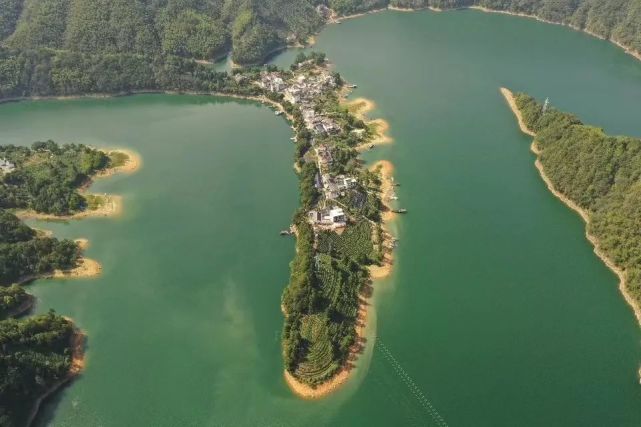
x=303, y=91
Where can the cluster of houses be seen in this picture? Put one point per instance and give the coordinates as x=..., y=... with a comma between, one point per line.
x=6, y=166
x=303, y=92
x=334, y=186
x=272, y=82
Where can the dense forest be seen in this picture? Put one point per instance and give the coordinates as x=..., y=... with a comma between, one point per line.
x=25, y=254
x=12, y=299
x=65, y=47
x=601, y=174
x=35, y=354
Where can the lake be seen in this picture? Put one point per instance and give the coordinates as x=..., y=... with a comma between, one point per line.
x=498, y=313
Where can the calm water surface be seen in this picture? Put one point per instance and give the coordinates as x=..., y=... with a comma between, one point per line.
x=498, y=313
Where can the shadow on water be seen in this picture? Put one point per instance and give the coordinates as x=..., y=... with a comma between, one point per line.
x=49, y=406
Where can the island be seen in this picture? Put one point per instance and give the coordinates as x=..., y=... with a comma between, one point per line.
x=45, y=181
x=597, y=176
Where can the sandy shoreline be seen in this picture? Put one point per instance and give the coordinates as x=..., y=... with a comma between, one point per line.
x=132, y=164
x=112, y=207
x=582, y=212
x=386, y=170
x=86, y=268
x=630, y=51
x=77, y=366
x=591, y=238
x=511, y=101
x=308, y=392
x=359, y=107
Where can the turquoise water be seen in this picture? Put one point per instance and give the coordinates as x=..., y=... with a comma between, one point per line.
x=497, y=314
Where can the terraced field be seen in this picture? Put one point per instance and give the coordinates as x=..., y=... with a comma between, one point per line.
x=319, y=363
x=355, y=242
x=337, y=285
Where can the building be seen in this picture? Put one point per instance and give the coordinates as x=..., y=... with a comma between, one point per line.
x=6, y=166
x=272, y=82
x=333, y=218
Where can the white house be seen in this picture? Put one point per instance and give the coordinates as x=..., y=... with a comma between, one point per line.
x=6, y=166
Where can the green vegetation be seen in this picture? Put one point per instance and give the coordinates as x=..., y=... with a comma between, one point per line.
x=363, y=202
x=24, y=254
x=47, y=176
x=68, y=47
x=329, y=271
x=117, y=158
x=11, y=299
x=354, y=243
x=36, y=355
x=601, y=174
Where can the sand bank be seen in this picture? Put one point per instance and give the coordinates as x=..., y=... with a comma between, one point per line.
x=410, y=9
x=111, y=207
x=86, y=268
x=77, y=366
x=359, y=107
x=83, y=243
x=382, y=127
x=335, y=19
x=386, y=170
x=582, y=212
x=511, y=100
x=131, y=165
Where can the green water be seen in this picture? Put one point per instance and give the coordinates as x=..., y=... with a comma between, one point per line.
x=498, y=313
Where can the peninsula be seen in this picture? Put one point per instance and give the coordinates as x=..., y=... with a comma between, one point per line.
x=339, y=225
x=46, y=181
x=597, y=176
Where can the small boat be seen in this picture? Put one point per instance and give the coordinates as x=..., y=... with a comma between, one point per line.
x=393, y=197
x=399, y=211
x=286, y=232
x=371, y=146
x=396, y=184
x=279, y=113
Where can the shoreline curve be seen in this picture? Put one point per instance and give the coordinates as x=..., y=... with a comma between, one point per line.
x=584, y=214
x=78, y=339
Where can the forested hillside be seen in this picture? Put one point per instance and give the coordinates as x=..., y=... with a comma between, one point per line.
x=154, y=30
x=600, y=174
x=36, y=355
